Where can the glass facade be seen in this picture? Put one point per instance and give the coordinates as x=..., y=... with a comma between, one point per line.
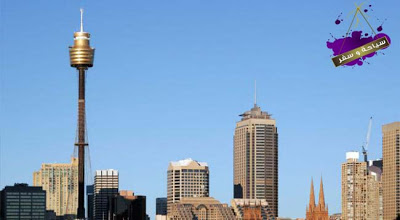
x=23, y=202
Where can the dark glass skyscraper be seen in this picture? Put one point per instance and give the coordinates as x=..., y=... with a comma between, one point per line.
x=161, y=206
x=127, y=206
x=90, y=201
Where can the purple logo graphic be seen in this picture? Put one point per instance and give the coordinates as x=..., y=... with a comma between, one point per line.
x=355, y=39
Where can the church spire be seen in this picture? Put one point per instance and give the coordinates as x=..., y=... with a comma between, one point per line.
x=312, y=197
x=321, y=199
x=319, y=212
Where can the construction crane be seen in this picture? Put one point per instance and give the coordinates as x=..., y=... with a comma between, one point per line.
x=366, y=143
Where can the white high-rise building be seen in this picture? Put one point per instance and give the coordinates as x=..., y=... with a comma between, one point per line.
x=187, y=178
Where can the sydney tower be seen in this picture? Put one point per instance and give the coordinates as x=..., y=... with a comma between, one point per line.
x=81, y=58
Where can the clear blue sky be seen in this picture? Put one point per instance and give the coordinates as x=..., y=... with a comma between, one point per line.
x=170, y=79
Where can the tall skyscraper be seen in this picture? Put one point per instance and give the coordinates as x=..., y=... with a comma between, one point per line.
x=360, y=190
x=60, y=181
x=391, y=170
x=81, y=58
x=187, y=178
x=320, y=211
x=256, y=158
x=106, y=184
x=22, y=202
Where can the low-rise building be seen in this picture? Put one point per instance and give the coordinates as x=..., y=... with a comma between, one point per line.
x=205, y=208
x=254, y=209
x=23, y=202
x=127, y=206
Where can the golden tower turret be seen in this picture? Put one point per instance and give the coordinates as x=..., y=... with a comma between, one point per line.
x=81, y=58
x=81, y=54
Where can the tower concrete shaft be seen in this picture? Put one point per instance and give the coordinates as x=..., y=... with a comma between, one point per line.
x=81, y=58
x=81, y=144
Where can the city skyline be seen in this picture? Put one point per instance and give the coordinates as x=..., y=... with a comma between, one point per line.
x=188, y=105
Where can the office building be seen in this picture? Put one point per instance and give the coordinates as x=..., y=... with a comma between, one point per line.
x=336, y=216
x=161, y=217
x=60, y=181
x=361, y=189
x=284, y=218
x=22, y=202
x=256, y=158
x=254, y=209
x=205, y=208
x=106, y=184
x=161, y=206
x=391, y=170
x=377, y=163
x=354, y=188
x=374, y=194
x=375, y=187
x=90, y=201
x=126, y=205
x=51, y=215
x=319, y=211
x=187, y=178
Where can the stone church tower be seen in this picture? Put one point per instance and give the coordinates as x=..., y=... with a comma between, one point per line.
x=320, y=211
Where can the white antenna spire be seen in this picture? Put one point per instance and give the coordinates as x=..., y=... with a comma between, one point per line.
x=255, y=92
x=81, y=19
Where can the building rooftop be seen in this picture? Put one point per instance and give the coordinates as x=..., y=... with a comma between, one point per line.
x=187, y=162
x=255, y=112
x=390, y=127
x=22, y=186
x=107, y=172
x=353, y=155
x=250, y=202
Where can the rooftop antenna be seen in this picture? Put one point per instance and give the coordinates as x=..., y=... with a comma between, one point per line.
x=81, y=19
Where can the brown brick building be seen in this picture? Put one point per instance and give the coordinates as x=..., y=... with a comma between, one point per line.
x=391, y=170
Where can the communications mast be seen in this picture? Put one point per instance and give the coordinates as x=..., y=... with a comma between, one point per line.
x=81, y=58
